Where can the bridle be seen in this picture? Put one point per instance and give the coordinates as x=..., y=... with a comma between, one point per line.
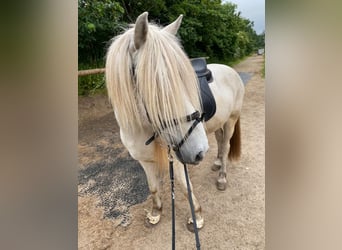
x=197, y=117
x=193, y=216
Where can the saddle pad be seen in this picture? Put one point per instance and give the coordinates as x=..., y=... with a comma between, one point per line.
x=204, y=75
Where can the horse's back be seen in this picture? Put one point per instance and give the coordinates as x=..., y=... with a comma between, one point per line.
x=228, y=91
x=227, y=76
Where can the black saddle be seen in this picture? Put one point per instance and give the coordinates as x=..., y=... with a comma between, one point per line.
x=204, y=78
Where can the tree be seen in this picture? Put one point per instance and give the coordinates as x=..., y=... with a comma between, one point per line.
x=133, y=8
x=260, y=40
x=210, y=28
x=98, y=22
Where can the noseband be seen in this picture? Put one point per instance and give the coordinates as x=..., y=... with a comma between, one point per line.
x=196, y=116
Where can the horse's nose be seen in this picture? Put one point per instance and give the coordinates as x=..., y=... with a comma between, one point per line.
x=199, y=156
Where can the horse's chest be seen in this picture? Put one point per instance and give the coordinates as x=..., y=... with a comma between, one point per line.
x=135, y=144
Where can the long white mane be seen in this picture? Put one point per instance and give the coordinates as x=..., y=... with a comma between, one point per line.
x=154, y=81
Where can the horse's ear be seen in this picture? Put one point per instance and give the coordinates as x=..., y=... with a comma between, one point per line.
x=173, y=27
x=140, y=30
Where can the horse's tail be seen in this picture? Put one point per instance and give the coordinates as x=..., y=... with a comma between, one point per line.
x=235, y=143
x=160, y=157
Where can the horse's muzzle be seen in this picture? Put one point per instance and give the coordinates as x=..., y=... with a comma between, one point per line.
x=195, y=161
x=199, y=157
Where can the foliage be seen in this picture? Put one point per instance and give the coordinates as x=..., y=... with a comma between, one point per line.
x=98, y=20
x=210, y=28
x=260, y=40
x=133, y=8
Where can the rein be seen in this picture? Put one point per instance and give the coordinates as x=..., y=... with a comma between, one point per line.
x=198, y=244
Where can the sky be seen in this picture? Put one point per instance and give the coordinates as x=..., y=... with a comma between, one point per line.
x=253, y=10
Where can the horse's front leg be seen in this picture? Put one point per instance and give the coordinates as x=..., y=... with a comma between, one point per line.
x=153, y=217
x=180, y=176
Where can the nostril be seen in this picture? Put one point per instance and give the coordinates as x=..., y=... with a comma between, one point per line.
x=199, y=156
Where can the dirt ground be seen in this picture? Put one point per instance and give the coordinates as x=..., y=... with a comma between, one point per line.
x=111, y=208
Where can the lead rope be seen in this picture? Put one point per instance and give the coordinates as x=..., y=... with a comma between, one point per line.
x=172, y=201
x=198, y=245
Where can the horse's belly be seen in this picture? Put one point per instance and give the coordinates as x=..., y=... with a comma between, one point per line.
x=224, y=108
x=214, y=124
x=227, y=89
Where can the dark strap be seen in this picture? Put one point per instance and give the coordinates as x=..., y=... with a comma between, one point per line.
x=198, y=244
x=187, y=134
x=173, y=205
x=194, y=116
x=151, y=139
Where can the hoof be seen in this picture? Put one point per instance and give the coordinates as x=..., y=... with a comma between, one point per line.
x=148, y=224
x=151, y=220
x=190, y=225
x=215, y=167
x=221, y=184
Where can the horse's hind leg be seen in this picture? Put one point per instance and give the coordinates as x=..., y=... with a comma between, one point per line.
x=218, y=162
x=153, y=181
x=228, y=130
x=180, y=176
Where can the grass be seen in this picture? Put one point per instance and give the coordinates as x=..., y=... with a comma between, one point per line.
x=237, y=61
x=230, y=63
x=263, y=68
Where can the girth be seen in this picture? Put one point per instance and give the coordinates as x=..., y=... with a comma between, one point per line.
x=204, y=78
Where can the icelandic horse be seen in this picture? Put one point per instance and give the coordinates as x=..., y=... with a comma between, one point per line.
x=154, y=90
